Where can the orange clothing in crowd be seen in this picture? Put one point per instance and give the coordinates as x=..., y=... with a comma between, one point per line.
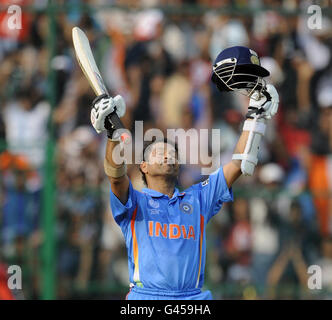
x=320, y=184
x=5, y=293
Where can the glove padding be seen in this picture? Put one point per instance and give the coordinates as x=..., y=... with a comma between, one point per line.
x=264, y=106
x=103, y=106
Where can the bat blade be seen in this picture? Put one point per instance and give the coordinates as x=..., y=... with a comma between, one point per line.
x=88, y=65
x=87, y=62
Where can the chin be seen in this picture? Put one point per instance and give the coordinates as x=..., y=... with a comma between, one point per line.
x=172, y=172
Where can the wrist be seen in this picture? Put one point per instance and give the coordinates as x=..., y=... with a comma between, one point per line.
x=109, y=133
x=115, y=172
x=110, y=130
x=113, y=140
x=254, y=112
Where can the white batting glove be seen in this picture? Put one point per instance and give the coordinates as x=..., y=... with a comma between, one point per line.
x=264, y=106
x=103, y=106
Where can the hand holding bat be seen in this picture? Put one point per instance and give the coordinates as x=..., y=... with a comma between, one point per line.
x=104, y=106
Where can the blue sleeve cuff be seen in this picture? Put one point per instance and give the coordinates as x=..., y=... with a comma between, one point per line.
x=227, y=192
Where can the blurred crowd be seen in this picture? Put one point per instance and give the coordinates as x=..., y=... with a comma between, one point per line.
x=160, y=61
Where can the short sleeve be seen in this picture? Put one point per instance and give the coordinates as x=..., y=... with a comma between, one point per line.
x=214, y=192
x=122, y=212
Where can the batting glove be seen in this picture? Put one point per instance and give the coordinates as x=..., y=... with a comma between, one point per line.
x=264, y=105
x=103, y=106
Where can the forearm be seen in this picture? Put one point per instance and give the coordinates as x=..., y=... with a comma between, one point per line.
x=119, y=185
x=240, y=147
x=232, y=170
x=110, y=146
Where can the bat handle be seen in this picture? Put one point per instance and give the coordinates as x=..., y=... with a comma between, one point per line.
x=116, y=123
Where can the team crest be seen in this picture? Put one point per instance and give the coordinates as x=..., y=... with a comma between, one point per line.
x=254, y=59
x=154, y=204
x=186, y=207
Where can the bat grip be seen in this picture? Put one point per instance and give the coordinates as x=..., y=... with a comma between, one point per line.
x=116, y=123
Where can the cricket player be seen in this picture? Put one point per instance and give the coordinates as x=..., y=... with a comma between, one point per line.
x=165, y=229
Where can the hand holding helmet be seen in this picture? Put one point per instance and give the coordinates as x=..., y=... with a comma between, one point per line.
x=238, y=69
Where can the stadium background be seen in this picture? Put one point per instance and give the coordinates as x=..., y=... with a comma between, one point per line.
x=55, y=218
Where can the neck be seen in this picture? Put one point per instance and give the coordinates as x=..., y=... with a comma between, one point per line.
x=162, y=185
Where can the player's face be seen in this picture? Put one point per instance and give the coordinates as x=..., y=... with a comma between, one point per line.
x=162, y=160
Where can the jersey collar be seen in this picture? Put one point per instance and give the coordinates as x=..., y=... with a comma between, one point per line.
x=157, y=194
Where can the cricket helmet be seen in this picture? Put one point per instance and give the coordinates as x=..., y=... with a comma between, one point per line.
x=238, y=69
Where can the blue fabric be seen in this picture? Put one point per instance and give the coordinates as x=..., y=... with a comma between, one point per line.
x=20, y=213
x=168, y=232
x=150, y=294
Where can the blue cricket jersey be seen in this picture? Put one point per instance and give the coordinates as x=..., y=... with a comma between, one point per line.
x=165, y=237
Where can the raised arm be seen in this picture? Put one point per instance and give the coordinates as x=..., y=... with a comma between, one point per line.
x=245, y=155
x=102, y=107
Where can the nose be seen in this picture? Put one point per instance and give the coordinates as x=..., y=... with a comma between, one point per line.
x=170, y=159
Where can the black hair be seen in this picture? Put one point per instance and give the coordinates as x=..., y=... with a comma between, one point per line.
x=29, y=92
x=147, y=144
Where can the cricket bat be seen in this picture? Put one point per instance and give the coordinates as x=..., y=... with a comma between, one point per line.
x=89, y=67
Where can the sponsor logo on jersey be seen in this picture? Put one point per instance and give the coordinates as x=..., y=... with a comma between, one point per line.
x=205, y=182
x=154, y=211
